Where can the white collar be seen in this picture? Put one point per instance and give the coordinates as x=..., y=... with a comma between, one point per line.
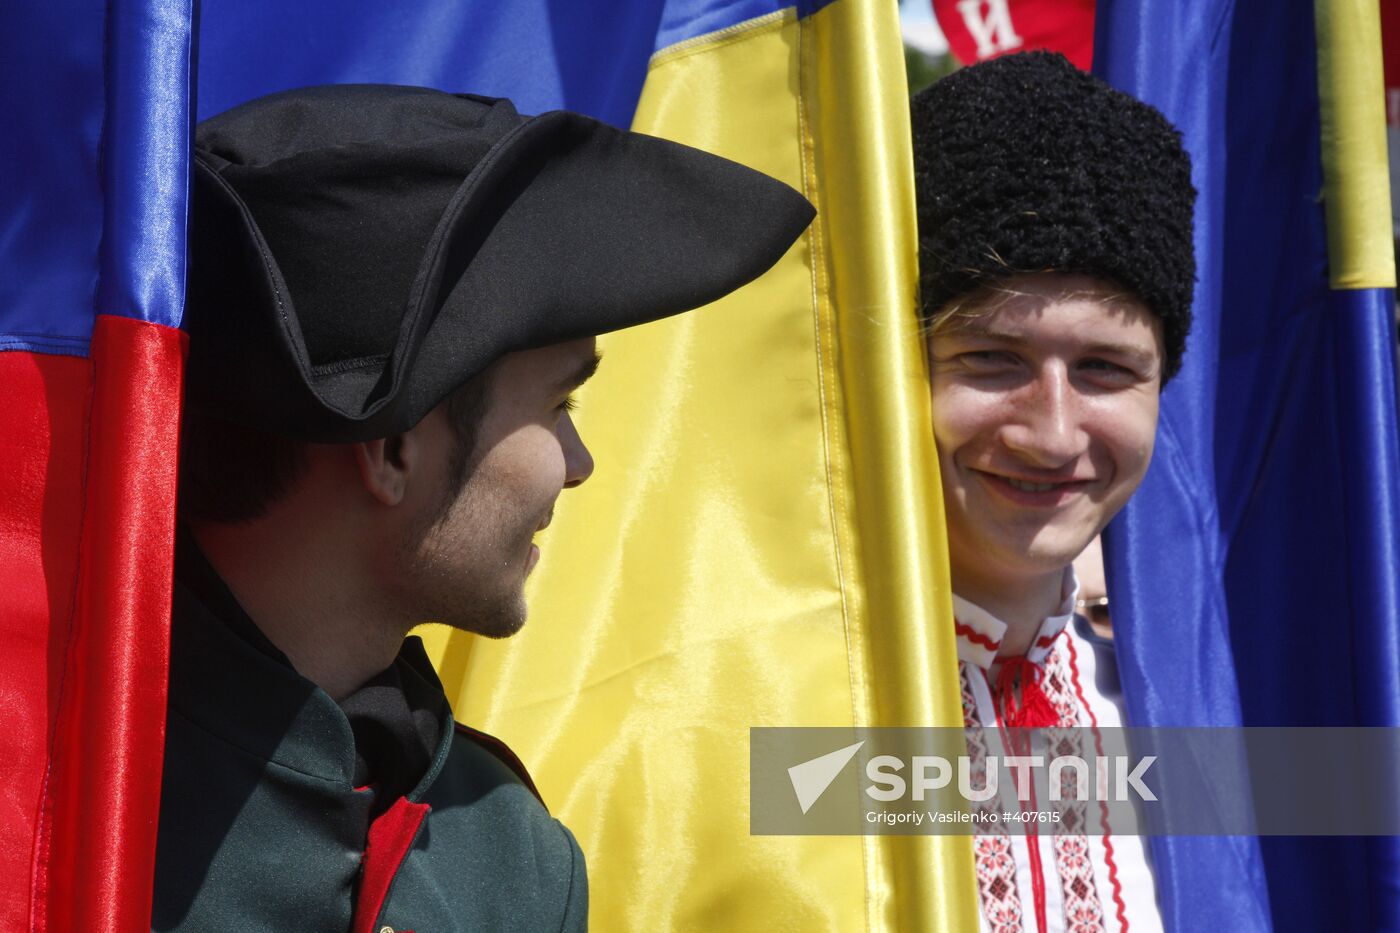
x=979, y=633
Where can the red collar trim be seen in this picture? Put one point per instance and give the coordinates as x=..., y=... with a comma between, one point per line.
x=976, y=637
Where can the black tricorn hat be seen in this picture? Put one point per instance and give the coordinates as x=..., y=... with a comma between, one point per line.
x=359, y=251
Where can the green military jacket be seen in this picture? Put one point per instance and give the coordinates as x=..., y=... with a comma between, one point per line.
x=262, y=826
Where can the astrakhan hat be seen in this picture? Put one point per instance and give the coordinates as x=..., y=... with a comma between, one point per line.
x=358, y=251
x=1026, y=164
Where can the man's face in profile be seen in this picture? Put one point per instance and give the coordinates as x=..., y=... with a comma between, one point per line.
x=466, y=564
x=1044, y=412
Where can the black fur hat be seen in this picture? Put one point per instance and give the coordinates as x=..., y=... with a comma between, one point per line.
x=1026, y=164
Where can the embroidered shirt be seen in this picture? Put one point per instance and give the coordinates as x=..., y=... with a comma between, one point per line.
x=1052, y=881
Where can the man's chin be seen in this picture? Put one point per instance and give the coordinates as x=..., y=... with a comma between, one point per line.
x=1055, y=553
x=500, y=623
x=498, y=632
x=1029, y=554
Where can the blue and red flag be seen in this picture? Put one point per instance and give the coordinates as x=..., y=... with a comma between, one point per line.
x=92, y=265
x=1254, y=575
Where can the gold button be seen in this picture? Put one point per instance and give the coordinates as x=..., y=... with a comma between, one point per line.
x=386, y=930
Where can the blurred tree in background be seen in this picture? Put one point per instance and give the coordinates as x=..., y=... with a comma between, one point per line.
x=924, y=69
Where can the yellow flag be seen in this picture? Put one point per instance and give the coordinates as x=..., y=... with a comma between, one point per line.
x=762, y=541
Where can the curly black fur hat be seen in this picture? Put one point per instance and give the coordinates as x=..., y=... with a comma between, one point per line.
x=1026, y=164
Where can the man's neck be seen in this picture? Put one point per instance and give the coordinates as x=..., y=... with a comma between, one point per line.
x=317, y=611
x=1023, y=604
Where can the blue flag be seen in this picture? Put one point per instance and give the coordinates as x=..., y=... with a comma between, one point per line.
x=1255, y=573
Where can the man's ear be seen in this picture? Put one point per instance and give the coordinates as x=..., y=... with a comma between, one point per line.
x=384, y=466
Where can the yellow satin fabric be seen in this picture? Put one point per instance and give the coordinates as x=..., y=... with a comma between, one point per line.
x=761, y=543
x=1355, y=170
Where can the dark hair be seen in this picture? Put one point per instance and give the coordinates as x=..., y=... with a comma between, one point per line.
x=230, y=473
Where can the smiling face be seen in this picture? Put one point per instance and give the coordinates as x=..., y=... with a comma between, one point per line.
x=467, y=566
x=1044, y=412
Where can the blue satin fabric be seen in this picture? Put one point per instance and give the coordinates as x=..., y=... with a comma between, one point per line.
x=93, y=192
x=542, y=54
x=145, y=159
x=51, y=57
x=1254, y=575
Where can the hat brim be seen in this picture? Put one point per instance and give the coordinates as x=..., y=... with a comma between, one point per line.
x=566, y=228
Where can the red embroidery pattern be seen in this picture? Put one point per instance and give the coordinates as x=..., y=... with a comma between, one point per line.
x=1083, y=910
x=996, y=866
x=1122, y=908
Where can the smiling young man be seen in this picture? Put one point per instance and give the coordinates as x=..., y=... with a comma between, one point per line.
x=1056, y=264
x=393, y=293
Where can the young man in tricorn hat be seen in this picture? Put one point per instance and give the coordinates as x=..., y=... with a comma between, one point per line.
x=1055, y=229
x=393, y=292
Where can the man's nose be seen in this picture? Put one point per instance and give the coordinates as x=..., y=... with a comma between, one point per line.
x=578, y=462
x=1047, y=429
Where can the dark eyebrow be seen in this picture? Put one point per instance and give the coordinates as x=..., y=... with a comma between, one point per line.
x=1127, y=351
x=977, y=332
x=579, y=376
x=1139, y=356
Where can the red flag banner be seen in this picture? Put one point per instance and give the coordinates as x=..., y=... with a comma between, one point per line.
x=982, y=29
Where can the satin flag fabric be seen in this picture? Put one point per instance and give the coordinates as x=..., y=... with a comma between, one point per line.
x=761, y=543
x=1254, y=574
x=92, y=261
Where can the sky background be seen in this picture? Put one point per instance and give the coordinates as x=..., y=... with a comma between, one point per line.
x=919, y=27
